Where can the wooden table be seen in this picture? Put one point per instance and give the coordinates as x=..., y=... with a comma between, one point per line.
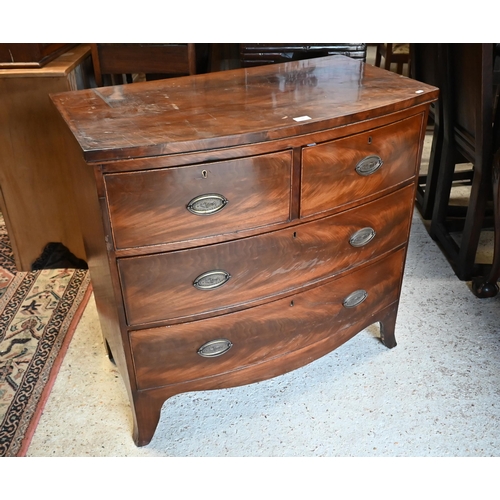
x=36, y=193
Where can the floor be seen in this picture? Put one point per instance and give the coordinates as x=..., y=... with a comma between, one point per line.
x=434, y=395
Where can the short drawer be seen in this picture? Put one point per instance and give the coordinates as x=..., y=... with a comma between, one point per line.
x=342, y=171
x=187, y=283
x=189, y=351
x=183, y=203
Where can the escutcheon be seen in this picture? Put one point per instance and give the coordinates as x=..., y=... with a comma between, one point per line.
x=211, y=279
x=362, y=237
x=355, y=298
x=215, y=348
x=369, y=165
x=207, y=204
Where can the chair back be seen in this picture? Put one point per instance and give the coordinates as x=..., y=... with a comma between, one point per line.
x=170, y=59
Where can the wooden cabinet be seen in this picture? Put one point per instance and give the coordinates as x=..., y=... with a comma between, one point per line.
x=36, y=191
x=244, y=223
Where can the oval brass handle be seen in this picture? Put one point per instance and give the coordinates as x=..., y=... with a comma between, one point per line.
x=207, y=204
x=355, y=298
x=211, y=279
x=215, y=348
x=362, y=237
x=369, y=165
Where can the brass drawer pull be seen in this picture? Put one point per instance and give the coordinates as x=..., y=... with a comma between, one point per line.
x=369, y=165
x=215, y=348
x=355, y=298
x=362, y=237
x=207, y=204
x=211, y=280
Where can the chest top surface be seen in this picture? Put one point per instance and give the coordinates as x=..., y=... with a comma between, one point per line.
x=231, y=108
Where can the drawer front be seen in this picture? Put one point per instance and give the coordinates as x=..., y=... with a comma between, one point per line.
x=342, y=171
x=199, y=349
x=183, y=203
x=191, y=282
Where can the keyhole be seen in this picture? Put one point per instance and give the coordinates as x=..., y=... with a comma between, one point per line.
x=291, y=303
x=370, y=140
x=295, y=235
x=204, y=174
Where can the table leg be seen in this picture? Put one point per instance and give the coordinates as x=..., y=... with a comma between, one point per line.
x=484, y=287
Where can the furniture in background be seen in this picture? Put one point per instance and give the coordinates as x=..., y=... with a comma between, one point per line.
x=257, y=54
x=466, y=131
x=224, y=56
x=467, y=99
x=242, y=228
x=398, y=53
x=427, y=65
x=30, y=55
x=36, y=192
x=114, y=60
x=487, y=285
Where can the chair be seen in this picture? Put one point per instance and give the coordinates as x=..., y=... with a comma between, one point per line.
x=398, y=53
x=487, y=285
x=257, y=54
x=467, y=99
x=425, y=67
x=113, y=60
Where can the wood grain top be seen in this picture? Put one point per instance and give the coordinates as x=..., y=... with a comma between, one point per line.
x=234, y=107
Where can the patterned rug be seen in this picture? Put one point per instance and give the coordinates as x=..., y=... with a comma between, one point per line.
x=38, y=314
x=7, y=264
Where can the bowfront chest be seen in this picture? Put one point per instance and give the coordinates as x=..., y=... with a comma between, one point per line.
x=241, y=224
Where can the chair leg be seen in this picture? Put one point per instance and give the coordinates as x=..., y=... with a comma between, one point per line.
x=440, y=227
x=473, y=223
x=425, y=200
x=96, y=64
x=388, y=57
x=191, y=58
x=484, y=287
x=443, y=189
x=378, y=54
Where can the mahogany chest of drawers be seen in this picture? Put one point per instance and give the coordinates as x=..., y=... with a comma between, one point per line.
x=241, y=224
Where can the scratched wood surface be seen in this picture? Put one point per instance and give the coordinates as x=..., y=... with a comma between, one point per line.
x=234, y=107
x=284, y=237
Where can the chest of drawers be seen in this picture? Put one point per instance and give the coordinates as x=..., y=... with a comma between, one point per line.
x=241, y=224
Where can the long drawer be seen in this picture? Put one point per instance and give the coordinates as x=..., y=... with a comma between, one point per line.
x=199, y=349
x=182, y=203
x=341, y=171
x=191, y=282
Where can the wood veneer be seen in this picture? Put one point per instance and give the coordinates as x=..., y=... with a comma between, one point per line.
x=306, y=252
